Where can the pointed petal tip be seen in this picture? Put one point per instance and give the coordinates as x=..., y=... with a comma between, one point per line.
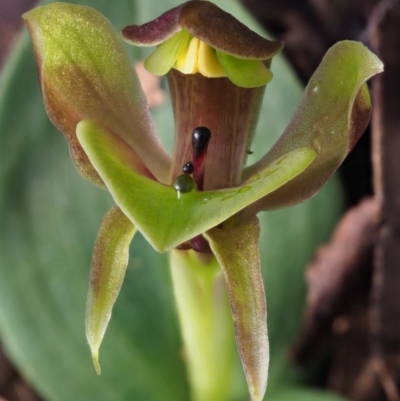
x=257, y=394
x=237, y=252
x=96, y=363
x=30, y=14
x=372, y=60
x=109, y=262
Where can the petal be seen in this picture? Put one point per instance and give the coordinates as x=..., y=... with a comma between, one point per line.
x=154, y=32
x=245, y=73
x=190, y=54
x=109, y=262
x=209, y=64
x=165, y=56
x=165, y=217
x=85, y=74
x=237, y=251
x=210, y=24
x=334, y=112
x=223, y=32
x=187, y=60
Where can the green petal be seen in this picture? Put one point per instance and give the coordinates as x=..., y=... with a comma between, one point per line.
x=333, y=114
x=245, y=73
x=236, y=250
x=165, y=217
x=109, y=262
x=85, y=73
x=164, y=57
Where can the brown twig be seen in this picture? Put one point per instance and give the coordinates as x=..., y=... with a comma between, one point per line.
x=384, y=31
x=334, y=271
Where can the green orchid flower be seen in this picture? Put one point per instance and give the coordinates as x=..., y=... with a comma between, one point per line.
x=201, y=203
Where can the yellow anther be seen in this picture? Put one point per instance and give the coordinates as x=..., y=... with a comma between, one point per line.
x=187, y=61
x=209, y=65
x=197, y=56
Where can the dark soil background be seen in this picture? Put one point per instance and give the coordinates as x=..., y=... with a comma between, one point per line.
x=353, y=306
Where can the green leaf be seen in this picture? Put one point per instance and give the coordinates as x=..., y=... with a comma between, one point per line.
x=302, y=394
x=164, y=216
x=109, y=263
x=237, y=252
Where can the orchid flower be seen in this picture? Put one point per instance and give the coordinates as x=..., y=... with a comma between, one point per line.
x=201, y=203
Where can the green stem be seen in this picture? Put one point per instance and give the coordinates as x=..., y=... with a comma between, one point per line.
x=206, y=324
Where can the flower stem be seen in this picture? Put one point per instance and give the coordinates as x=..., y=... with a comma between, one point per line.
x=206, y=324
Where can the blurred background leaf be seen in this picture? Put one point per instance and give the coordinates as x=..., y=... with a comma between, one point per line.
x=304, y=394
x=49, y=219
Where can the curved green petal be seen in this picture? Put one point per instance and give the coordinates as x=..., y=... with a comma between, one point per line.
x=244, y=73
x=85, y=73
x=164, y=57
x=109, y=262
x=333, y=114
x=237, y=252
x=165, y=217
